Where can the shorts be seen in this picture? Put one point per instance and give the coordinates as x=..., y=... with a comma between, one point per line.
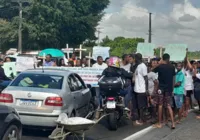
x=178, y=101
x=165, y=100
x=189, y=93
x=141, y=100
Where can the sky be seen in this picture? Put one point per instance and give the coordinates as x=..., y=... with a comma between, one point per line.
x=173, y=21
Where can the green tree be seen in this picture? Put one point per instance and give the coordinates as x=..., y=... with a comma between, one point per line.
x=52, y=23
x=105, y=41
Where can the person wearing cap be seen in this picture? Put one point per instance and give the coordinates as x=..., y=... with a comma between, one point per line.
x=4, y=80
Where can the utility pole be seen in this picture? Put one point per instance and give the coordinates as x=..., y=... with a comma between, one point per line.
x=20, y=2
x=150, y=29
x=20, y=28
x=98, y=31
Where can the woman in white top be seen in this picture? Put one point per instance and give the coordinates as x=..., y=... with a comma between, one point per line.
x=189, y=86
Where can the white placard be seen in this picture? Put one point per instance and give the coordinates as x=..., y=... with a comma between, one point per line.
x=24, y=62
x=9, y=67
x=100, y=51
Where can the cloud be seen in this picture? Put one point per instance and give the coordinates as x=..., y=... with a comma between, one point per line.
x=187, y=18
x=178, y=24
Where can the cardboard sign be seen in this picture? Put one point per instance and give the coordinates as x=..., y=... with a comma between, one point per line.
x=9, y=68
x=100, y=51
x=89, y=75
x=146, y=49
x=24, y=62
x=177, y=52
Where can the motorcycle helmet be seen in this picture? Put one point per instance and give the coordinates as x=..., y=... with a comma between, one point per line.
x=114, y=62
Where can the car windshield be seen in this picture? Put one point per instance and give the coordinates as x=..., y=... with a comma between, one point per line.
x=38, y=81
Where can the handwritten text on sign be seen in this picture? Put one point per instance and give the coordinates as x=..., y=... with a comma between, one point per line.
x=23, y=63
x=100, y=51
x=89, y=75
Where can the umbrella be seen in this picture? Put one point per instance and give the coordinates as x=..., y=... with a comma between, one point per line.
x=53, y=52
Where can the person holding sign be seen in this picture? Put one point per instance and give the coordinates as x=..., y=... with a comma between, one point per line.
x=100, y=64
x=4, y=80
x=48, y=61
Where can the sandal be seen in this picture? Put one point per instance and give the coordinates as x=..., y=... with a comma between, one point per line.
x=173, y=127
x=157, y=126
x=137, y=123
x=178, y=122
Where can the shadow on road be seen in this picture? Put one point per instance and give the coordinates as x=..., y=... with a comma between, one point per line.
x=32, y=134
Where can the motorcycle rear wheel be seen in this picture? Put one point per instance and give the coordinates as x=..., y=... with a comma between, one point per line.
x=112, y=121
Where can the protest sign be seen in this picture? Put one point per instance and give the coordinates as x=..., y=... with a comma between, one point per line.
x=89, y=75
x=177, y=52
x=146, y=49
x=100, y=51
x=9, y=68
x=24, y=62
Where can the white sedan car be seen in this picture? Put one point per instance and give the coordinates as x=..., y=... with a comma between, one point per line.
x=40, y=95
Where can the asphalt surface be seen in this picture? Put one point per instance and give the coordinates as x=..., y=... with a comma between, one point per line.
x=98, y=132
x=187, y=130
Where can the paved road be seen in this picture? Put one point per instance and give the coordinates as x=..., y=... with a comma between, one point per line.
x=99, y=132
x=187, y=130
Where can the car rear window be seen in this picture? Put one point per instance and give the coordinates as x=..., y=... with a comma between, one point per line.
x=38, y=81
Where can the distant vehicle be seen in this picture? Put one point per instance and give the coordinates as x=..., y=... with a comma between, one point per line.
x=41, y=95
x=10, y=124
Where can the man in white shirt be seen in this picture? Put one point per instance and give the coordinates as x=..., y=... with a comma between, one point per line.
x=100, y=64
x=141, y=85
x=125, y=62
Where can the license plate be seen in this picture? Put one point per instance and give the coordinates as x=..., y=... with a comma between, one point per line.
x=111, y=104
x=28, y=103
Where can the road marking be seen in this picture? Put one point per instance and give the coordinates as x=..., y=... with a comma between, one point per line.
x=145, y=131
x=139, y=133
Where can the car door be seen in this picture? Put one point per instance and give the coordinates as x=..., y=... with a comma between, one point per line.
x=85, y=94
x=75, y=93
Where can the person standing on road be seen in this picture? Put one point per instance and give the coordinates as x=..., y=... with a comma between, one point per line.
x=4, y=80
x=189, y=86
x=84, y=62
x=100, y=64
x=73, y=58
x=197, y=88
x=166, y=77
x=179, y=91
x=134, y=108
x=125, y=62
x=152, y=88
x=141, y=86
x=48, y=61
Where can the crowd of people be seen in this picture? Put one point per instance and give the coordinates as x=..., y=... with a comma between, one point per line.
x=73, y=62
x=163, y=88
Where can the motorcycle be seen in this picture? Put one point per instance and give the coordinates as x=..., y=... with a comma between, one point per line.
x=112, y=101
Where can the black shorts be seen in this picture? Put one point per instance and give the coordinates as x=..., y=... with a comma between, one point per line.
x=189, y=93
x=141, y=100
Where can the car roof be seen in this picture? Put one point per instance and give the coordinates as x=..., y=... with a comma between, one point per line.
x=49, y=71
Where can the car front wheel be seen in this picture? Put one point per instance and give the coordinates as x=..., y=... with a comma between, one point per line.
x=12, y=133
